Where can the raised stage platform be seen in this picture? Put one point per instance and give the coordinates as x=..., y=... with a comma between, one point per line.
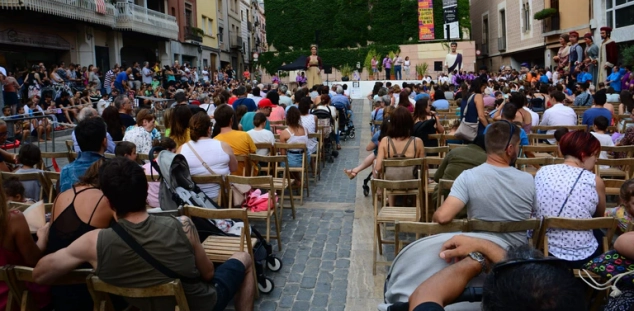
x=361, y=89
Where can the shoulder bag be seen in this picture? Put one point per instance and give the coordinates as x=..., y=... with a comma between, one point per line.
x=467, y=130
x=137, y=248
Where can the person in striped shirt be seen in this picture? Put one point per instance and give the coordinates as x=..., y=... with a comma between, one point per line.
x=109, y=78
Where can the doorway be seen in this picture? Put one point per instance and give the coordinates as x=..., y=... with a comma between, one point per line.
x=102, y=57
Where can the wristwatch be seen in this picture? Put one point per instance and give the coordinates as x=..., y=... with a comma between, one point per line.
x=477, y=256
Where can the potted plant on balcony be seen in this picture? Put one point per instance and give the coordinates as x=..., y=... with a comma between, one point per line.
x=545, y=13
x=346, y=71
x=421, y=70
x=197, y=31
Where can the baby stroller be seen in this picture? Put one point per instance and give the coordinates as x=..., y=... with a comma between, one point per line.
x=346, y=126
x=178, y=189
x=324, y=119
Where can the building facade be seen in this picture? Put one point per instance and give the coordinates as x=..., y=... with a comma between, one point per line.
x=619, y=15
x=230, y=35
x=506, y=33
x=81, y=32
x=572, y=15
x=208, y=22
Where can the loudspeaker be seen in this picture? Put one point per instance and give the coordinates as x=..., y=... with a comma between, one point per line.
x=328, y=69
x=437, y=66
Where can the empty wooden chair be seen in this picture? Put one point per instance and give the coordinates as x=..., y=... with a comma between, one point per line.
x=384, y=214
x=531, y=165
x=625, y=151
x=315, y=158
x=428, y=185
x=613, y=186
x=534, y=139
x=440, y=151
x=101, y=291
x=49, y=156
x=424, y=229
x=302, y=171
x=52, y=183
x=542, y=151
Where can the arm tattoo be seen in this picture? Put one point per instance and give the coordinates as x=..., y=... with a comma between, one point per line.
x=189, y=228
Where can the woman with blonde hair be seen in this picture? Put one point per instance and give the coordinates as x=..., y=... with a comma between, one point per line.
x=313, y=67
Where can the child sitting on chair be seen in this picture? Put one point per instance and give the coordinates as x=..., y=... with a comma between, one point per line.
x=623, y=213
x=14, y=191
x=126, y=149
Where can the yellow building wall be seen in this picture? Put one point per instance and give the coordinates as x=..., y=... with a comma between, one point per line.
x=573, y=13
x=208, y=9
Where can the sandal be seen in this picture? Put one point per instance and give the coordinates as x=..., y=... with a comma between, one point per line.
x=351, y=174
x=338, y=147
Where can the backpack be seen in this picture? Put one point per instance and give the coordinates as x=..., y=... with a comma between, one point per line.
x=324, y=118
x=537, y=104
x=177, y=187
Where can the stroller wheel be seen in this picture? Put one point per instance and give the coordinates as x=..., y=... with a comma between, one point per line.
x=274, y=264
x=266, y=285
x=351, y=134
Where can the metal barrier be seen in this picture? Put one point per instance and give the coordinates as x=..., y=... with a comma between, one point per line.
x=11, y=135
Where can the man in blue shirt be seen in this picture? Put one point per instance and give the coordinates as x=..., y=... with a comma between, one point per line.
x=121, y=82
x=243, y=100
x=91, y=137
x=597, y=110
x=341, y=101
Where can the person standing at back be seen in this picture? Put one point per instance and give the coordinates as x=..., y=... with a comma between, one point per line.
x=243, y=100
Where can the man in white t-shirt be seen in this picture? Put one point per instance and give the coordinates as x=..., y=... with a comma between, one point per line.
x=147, y=73
x=261, y=135
x=558, y=114
x=205, y=74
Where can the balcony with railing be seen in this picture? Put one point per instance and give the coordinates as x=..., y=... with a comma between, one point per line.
x=236, y=42
x=193, y=34
x=551, y=25
x=502, y=44
x=130, y=16
x=83, y=10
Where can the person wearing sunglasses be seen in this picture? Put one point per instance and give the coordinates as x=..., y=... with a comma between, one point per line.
x=493, y=191
x=519, y=279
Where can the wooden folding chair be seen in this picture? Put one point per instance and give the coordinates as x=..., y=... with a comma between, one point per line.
x=267, y=182
x=281, y=184
x=70, y=146
x=315, y=155
x=628, y=150
x=618, y=168
x=276, y=124
x=555, y=127
x=20, y=275
x=384, y=214
x=54, y=155
x=524, y=163
x=22, y=177
x=12, y=299
x=303, y=170
x=214, y=179
x=143, y=157
x=246, y=165
x=609, y=224
x=454, y=146
x=220, y=248
x=542, y=151
x=439, y=137
x=424, y=229
x=475, y=225
x=444, y=185
x=428, y=174
x=534, y=139
x=441, y=151
x=613, y=186
x=101, y=291
x=417, y=163
x=52, y=183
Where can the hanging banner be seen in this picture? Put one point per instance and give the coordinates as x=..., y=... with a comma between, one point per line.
x=425, y=20
x=450, y=14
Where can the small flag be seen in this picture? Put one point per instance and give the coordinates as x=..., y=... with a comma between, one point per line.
x=101, y=6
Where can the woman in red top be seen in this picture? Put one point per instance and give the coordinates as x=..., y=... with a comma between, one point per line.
x=19, y=248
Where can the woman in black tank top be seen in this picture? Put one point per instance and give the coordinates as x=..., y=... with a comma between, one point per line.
x=76, y=212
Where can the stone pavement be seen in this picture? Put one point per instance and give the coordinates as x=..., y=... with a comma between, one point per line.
x=327, y=249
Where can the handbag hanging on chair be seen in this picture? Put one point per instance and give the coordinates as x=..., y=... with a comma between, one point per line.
x=467, y=130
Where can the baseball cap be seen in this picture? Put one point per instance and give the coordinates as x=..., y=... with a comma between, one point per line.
x=525, y=65
x=265, y=103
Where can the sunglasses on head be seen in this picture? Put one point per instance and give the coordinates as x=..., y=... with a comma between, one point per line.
x=512, y=126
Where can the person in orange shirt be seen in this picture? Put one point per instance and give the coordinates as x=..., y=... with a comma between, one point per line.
x=240, y=142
